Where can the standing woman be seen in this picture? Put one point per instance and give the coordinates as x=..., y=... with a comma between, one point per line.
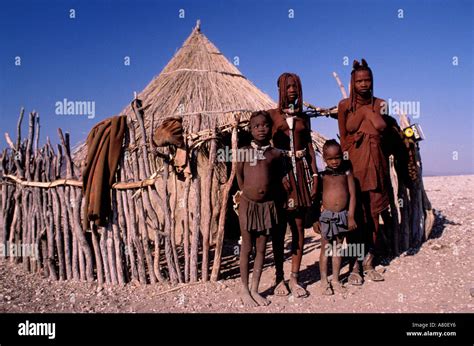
x=361, y=119
x=291, y=132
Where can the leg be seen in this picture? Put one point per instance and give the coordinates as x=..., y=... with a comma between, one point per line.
x=367, y=264
x=245, y=249
x=336, y=266
x=323, y=266
x=278, y=244
x=257, y=270
x=323, y=259
x=354, y=239
x=384, y=241
x=297, y=240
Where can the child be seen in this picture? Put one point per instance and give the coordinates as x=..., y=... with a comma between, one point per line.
x=258, y=180
x=337, y=215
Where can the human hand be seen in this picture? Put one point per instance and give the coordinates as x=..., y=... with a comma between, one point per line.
x=314, y=189
x=351, y=224
x=317, y=227
x=286, y=184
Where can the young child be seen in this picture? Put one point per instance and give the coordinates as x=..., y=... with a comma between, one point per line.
x=337, y=215
x=259, y=182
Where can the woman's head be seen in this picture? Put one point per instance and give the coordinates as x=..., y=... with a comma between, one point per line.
x=290, y=91
x=362, y=82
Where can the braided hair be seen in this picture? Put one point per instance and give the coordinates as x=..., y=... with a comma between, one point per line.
x=362, y=66
x=282, y=83
x=331, y=143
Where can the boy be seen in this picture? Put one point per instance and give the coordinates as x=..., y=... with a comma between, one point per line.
x=337, y=215
x=259, y=182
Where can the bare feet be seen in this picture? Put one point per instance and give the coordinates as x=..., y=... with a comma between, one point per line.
x=373, y=275
x=259, y=299
x=280, y=288
x=325, y=288
x=355, y=279
x=247, y=299
x=338, y=287
x=295, y=288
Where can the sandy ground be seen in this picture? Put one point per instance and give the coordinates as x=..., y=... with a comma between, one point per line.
x=438, y=277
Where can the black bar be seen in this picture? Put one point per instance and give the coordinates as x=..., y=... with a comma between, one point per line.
x=242, y=329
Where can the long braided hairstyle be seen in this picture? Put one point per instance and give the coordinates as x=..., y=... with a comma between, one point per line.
x=362, y=66
x=282, y=83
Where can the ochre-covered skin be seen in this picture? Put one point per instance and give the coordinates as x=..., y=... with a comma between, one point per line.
x=362, y=143
x=300, y=196
x=361, y=127
x=259, y=180
x=338, y=196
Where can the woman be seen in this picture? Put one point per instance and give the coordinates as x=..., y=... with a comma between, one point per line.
x=362, y=123
x=291, y=132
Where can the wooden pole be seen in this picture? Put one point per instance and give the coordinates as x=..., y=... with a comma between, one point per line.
x=206, y=208
x=5, y=204
x=172, y=266
x=157, y=258
x=56, y=166
x=225, y=196
x=129, y=204
x=111, y=254
x=187, y=188
x=65, y=227
x=196, y=184
x=18, y=128
x=103, y=252
x=117, y=241
x=17, y=214
x=97, y=254
x=128, y=252
x=340, y=85
x=49, y=217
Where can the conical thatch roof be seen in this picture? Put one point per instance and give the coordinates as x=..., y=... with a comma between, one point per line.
x=197, y=80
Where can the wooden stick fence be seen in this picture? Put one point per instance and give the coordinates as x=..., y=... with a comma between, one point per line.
x=41, y=206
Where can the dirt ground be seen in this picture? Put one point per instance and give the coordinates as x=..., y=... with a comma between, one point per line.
x=437, y=277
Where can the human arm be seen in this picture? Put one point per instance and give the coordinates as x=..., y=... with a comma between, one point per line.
x=341, y=120
x=352, y=202
x=240, y=175
x=283, y=169
x=314, y=168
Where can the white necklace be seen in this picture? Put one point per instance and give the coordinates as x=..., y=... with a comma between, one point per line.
x=260, y=149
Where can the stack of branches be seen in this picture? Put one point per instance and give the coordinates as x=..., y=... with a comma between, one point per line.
x=40, y=220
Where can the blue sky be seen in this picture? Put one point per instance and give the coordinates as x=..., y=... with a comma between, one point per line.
x=83, y=58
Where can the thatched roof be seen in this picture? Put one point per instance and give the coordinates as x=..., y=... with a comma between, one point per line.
x=197, y=80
